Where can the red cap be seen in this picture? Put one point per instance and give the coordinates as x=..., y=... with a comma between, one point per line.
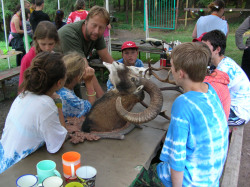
x=200, y=38
x=128, y=45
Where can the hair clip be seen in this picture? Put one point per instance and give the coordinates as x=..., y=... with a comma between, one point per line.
x=216, y=6
x=58, y=12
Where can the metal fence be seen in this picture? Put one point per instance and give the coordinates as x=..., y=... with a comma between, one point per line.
x=161, y=14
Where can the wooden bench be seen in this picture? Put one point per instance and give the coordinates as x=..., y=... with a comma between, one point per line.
x=231, y=171
x=6, y=75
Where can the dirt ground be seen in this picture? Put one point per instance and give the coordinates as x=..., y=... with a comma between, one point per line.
x=11, y=85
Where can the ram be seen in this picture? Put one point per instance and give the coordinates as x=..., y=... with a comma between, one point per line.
x=111, y=114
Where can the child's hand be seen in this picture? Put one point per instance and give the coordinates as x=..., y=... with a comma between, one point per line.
x=55, y=96
x=88, y=74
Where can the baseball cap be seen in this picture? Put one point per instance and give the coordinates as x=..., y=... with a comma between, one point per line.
x=129, y=44
x=200, y=38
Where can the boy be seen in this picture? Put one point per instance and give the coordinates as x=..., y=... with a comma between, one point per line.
x=129, y=58
x=38, y=15
x=239, y=86
x=195, y=148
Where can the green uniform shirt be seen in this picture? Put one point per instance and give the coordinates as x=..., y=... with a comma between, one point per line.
x=72, y=39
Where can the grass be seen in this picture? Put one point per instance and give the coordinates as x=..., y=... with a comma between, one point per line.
x=182, y=34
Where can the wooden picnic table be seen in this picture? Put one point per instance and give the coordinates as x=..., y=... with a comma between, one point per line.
x=118, y=162
x=11, y=54
x=8, y=74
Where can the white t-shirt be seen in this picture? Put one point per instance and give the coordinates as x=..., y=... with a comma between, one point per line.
x=32, y=121
x=239, y=87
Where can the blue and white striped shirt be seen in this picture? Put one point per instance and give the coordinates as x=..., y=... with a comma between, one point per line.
x=196, y=141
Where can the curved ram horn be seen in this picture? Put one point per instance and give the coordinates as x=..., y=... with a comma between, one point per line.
x=156, y=102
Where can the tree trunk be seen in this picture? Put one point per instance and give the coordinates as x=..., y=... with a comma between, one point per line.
x=137, y=4
x=119, y=5
x=124, y=5
x=247, y=6
x=127, y=12
x=142, y=5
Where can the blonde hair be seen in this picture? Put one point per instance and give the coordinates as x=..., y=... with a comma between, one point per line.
x=100, y=11
x=193, y=58
x=75, y=66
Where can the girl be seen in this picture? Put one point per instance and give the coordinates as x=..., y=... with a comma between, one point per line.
x=77, y=71
x=16, y=34
x=79, y=13
x=45, y=38
x=59, y=19
x=212, y=22
x=35, y=117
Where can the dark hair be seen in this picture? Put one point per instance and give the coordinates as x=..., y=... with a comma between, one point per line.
x=79, y=4
x=98, y=10
x=27, y=12
x=45, y=29
x=216, y=5
x=17, y=8
x=217, y=39
x=39, y=2
x=45, y=71
x=59, y=18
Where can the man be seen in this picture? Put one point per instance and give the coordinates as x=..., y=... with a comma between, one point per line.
x=195, y=148
x=38, y=15
x=129, y=58
x=244, y=27
x=85, y=35
x=239, y=86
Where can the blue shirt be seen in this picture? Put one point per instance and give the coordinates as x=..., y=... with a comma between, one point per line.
x=138, y=63
x=196, y=141
x=239, y=87
x=209, y=23
x=73, y=106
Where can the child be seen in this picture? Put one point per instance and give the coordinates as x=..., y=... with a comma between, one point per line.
x=195, y=148
x=59, y=19
x=38, y=15
x=35, y=117
x=219, y=81
x=79, y=13
x=77, y=71
x=45, y=38
x=129, y=58
x=239, y=86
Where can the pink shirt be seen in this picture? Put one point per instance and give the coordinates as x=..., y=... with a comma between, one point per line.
x=77, y=16
x=219, y=81
x=12, y=25
x=25, y=63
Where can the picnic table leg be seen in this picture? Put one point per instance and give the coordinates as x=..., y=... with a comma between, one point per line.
x=3, y=88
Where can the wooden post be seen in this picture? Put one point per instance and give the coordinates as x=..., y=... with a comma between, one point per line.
x=177, y=13
x=132, y=22
x=186, y=13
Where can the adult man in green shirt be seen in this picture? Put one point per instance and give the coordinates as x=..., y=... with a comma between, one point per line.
x=85, y=35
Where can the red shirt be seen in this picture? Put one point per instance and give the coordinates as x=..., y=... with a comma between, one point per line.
x=77, y=16
x=219, y=81
x=25, y=63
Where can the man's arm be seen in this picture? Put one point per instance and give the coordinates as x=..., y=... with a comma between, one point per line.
x=245, y=26
x=105, y=56
x=177, y=178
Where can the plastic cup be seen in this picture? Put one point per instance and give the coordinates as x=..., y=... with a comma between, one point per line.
x=71, y=162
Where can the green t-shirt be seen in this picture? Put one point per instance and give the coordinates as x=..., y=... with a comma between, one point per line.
x=72, y=39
